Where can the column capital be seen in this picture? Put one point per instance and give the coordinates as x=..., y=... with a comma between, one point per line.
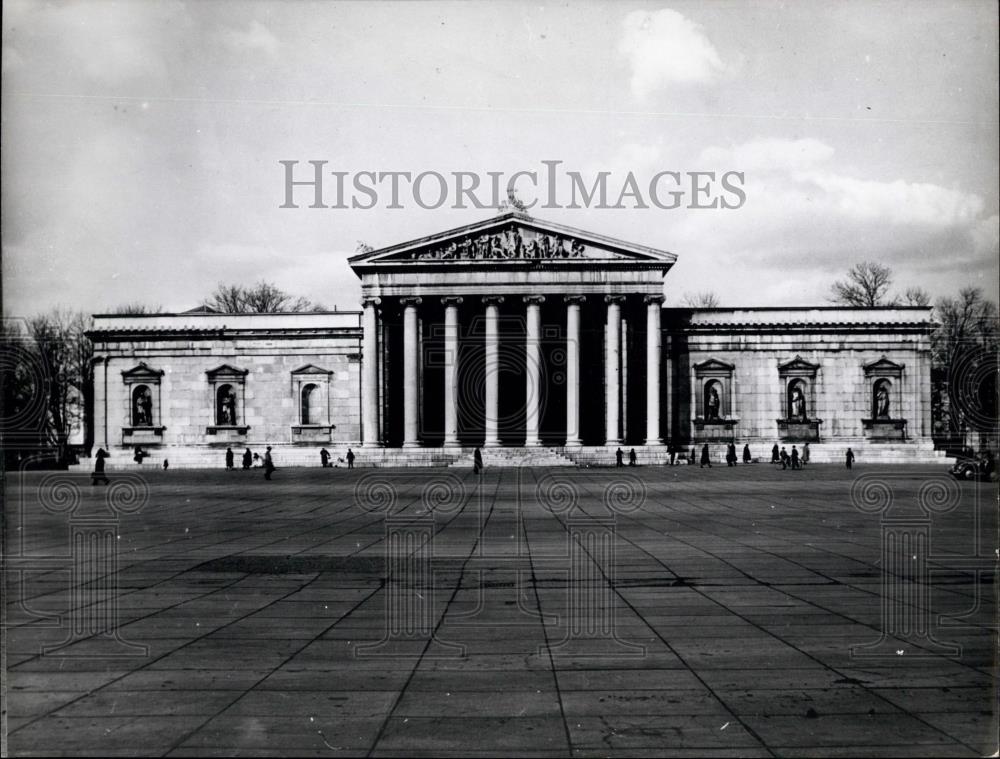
x=371, y=301
x=411, y=300
x=492, y=300
x=614, y=299
x=533, y=299
x=651, y=299
x=574, y=300
x=452, y=300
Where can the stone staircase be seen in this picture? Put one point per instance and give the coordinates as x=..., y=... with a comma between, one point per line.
x=515, y=457
x=195, y=457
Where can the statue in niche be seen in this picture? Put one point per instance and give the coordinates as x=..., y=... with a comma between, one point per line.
x=712, y=404
x=881, y=402
x=798, y=404
x=227, y=409
x=144, y=409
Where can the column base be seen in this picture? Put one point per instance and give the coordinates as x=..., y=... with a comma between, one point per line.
x=616, y=441
x=654, y=441
x=574, y=443
x=533, y=443
x=412, y=444
x=491, y=444
x=452, y=443
x=377, y=444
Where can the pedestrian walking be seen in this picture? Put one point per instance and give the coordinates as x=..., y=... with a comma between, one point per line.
x=229, y=459
x=99, y=475
x=731, y=454
x=805, y=454
x=672, y=450
x=850, y=458
x=166, y=464
x=746, y=454
x=784, y=458
x=268, y=464
x=350, y=459
x=705, y=459
x=775, y=456
x=795, y=458
x=247, y=459
x=477, y=461
x=619, y=456
x=324, y=457
x=632, y=458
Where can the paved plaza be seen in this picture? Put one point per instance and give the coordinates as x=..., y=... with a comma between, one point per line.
x=653, y=611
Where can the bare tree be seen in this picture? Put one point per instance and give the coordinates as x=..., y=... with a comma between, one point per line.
x=866, y=286
x=135, y=308
x=701, y=300
x=57, y=344
x=965, y=357
x=261, y=298
x=916, y=296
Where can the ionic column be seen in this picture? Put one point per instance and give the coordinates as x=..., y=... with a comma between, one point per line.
x=612, y=369
x=653, y=303
x=451, y=305
x=533, y=369
x=492, y=370
x=369, y=372
x=573, y=368
x=411, y=359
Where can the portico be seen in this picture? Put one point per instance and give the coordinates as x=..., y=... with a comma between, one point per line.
x=511, y=331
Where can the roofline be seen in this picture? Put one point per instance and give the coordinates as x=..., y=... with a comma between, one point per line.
x=368, y=257
x=195, y=315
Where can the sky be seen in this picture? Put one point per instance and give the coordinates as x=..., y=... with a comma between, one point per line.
x=141, y=140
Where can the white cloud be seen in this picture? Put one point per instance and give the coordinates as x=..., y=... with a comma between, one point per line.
x=254, y=38
x=664, y=48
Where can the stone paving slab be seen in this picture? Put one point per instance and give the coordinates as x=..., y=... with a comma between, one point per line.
x=715, y=619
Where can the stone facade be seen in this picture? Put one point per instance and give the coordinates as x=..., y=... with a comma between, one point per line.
x=513, y=333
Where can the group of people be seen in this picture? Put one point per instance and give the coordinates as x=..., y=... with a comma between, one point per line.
x=790, y=461
x=253, y=460
x=620, y=458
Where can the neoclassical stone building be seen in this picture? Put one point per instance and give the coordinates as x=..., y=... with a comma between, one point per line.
x=540, y=342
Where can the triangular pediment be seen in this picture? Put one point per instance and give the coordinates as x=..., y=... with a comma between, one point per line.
x=226, y=370
x=513, y=238
x=798, y=364
x=311, y=369
x=142, y=372
x=884, y=366
x=713, y=365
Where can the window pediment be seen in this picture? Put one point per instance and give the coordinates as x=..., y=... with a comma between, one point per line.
x=227, y=372
x=142, y=373
x=885, y=367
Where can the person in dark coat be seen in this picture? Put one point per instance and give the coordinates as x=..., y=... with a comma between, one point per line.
x=99, y=475
x=775, y=456
x=746, y=454
x=166, y=464
x=324, y=458
x=849, y=458
x=731, y=454
x=619, y=458
x=268, y=464
x=477, y=461
x=229, y=459
x=672, y=450
x=247, y=459
x=632, y=458
x=705, y=460
x=795, y=458
x=785, y=460
x=350, y=459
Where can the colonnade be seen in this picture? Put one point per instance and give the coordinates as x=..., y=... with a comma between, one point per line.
x=613, y=368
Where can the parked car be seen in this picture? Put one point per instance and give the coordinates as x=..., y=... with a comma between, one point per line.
x=982, y=468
